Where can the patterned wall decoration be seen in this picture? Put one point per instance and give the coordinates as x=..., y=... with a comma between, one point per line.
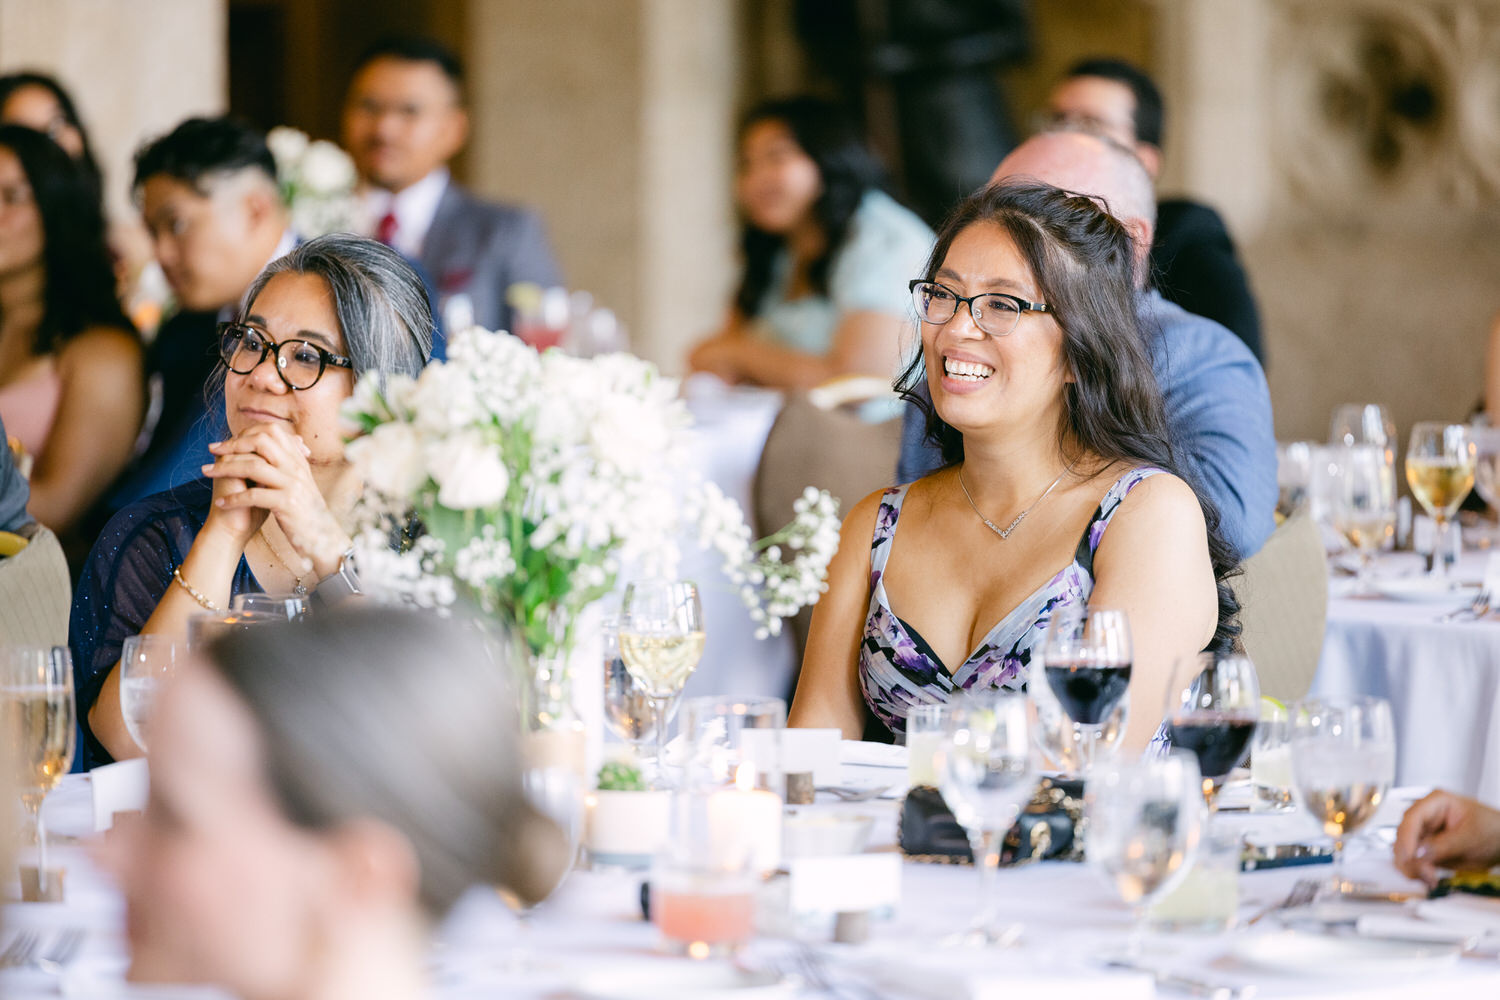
x=1388, y=101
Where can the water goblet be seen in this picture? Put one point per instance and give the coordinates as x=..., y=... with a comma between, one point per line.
x=1362, y=498
x=146, y=663
x=1343, y=763
x=985, y=775
x=1146, y=821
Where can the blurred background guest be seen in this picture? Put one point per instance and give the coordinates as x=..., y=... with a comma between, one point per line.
x=1218, y=403
x=307, y=827
x=1041, y=394
x=207, y=192
x=39, y=102
x=1193, y=260
x=826, y=255
x=404, y=119
x=270, y=516
x=71, y=386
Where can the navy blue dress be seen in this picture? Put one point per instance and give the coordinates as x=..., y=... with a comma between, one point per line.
x=125, y=577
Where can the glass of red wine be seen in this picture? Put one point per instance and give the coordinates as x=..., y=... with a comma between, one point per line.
x=1213, y=706
x=1086, y=658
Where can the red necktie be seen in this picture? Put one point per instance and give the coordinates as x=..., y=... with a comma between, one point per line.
x=385, y=231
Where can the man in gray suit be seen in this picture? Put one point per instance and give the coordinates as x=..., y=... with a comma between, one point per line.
x=404, y=119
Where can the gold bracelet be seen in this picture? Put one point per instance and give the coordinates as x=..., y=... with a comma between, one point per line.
x=193, y=593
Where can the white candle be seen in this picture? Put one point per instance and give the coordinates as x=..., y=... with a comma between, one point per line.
x=744, y=825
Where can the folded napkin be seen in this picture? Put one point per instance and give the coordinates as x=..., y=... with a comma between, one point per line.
x=1472, y=913
x=872, y=754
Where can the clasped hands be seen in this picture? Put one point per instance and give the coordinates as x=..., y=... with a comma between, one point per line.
x=264, y=472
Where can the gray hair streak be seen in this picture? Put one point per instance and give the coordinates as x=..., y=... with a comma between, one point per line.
x=381, y=303
x=367, y=711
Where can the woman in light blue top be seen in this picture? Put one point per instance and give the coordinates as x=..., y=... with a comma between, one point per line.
x=827, y=255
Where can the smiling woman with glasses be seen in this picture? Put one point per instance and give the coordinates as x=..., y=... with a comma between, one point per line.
x=1058, y=493
x=270, y=513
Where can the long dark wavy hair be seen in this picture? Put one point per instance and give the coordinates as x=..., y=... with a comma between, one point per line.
x=1080, y=256
x=847, y=169
x=12, y=82
x=80, y=282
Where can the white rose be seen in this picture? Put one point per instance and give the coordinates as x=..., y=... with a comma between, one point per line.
x=327, y=168
x=390, y=459
x=469, y=472
x=287, y=146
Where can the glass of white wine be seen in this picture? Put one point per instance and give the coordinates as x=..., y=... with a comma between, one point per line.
x=1440, y=461
x=1363, y=501
x=37, y=720
x=146, y=663
x=661, y=641
x=1343, y=763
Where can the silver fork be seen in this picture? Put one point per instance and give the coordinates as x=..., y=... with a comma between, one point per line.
x=22, y=948
x=1304, y=892
x=1474, y=610
x=845, y=794
x=63, y=950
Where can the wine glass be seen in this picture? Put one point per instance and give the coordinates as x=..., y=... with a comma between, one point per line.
x=36, y=704
x=985, y=775
x=627, y=706
x=1440, y=461
x=1364, y=423
x=1362, y=496
x=1086, y=657
x=1213, y=707
x=146, y=663
x=556, y=791
x=1343, y=762
x=661, y=641
x=1487, y=470
x=1293, y=475
x=1146, y=821
x=1060, y=740
x=282, y=607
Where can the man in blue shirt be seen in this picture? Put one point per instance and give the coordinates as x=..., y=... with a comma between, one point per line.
x=1217, y=401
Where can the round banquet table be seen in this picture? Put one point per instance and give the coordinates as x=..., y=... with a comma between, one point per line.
x=592, y=928
x=1442, y=678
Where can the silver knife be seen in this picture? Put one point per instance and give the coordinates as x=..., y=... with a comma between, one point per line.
x=1190, y=985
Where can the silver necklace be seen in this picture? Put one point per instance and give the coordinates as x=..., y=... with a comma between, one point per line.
x=1004, y=532
x=301, y=588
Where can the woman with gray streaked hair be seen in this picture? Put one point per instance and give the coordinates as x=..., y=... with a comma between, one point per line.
x=270, y=513
x=307, y=826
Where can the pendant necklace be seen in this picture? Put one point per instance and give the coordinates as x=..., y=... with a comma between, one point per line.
x=301, y=588
x=1004, y=532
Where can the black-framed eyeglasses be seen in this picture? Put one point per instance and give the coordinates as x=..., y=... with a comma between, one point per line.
x=996, y=313
x=300, y=363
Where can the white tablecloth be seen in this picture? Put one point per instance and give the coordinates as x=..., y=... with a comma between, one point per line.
x=1442, y=679
x=1071, y=917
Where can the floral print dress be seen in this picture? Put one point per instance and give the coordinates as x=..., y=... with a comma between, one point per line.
x=897, y=667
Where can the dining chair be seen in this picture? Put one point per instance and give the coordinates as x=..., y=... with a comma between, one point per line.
x=35, y=592
x=1283, y=594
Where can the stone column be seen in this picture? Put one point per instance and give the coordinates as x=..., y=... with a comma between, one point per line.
x=615, y=120
x=135, y=69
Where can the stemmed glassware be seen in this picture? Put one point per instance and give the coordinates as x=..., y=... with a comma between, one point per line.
x=1213, y=707
x=1362, y=495
x=146, y=663
x=985, y=775
x=38, y=724
x=661, y=641
x=1364, y=423
x=1146, y=822
x=1440, y=461
x=627, y=707
x=1086, y=656
x=1487, y=470
x=1343, y=762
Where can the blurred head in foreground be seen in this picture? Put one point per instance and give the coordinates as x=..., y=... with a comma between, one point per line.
x=321, y=793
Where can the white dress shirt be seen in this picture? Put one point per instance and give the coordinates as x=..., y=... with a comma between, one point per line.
x=414, y=208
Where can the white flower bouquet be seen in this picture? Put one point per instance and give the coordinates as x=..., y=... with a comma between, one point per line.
x=535, y=479
x=317, y=180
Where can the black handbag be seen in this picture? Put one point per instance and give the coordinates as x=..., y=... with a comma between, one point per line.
x=1049, y=828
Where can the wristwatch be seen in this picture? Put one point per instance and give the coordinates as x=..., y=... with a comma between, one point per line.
x=340, y=585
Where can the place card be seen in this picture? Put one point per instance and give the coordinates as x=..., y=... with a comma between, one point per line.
x=119, y=788
x=845, y=884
